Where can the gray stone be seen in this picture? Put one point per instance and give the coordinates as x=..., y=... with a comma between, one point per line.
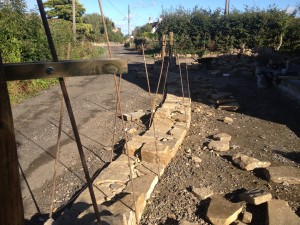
x=222, y=212
x=283, y=174
x=219, y=146
x=255, y=196
x=222, y=137
x=249, y=163
x=202, y=192
x=279, y=213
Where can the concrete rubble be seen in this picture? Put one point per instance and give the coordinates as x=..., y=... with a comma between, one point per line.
x=222, y=212
x=283, y=174
x=255, y=196
x=249, y=163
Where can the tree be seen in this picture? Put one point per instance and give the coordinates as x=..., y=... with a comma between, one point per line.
x=62, y=9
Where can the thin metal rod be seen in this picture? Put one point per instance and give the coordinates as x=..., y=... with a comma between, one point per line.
x=146, y=70
x=187, y=77
x=182, y=90
x=70, y=110
x=105, y=29
x=61, y=115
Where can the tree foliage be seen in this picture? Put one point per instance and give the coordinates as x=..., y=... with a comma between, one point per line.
x=199, y=29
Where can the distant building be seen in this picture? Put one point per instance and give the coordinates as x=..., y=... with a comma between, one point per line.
x=155, y=25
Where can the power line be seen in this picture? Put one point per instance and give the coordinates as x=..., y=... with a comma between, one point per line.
x=116, y=8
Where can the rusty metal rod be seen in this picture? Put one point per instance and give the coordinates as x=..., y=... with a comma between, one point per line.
x=146, y=70
x=70, y=110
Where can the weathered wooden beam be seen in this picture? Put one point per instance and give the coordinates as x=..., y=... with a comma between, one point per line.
x=11, y=211
x=39, y=70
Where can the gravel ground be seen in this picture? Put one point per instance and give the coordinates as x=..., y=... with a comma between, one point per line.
x=266, y=127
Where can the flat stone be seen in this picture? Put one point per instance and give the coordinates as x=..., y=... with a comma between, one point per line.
x=249, y=163
x=134, y=115
x=150, y=168
x=279, y=213
x=247, y=217
x=202, y=192
x=185, y=222
x=233, y=106
x=222, y=137
x=283, y=174
x=143, y=184
x=222, y=212
x=162, y=113
x=228, y=120
x=132, y=131
x=221, y=146
x=255, y=196
x=132, y=147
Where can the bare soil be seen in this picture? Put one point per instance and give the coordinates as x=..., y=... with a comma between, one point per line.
x=265, y=127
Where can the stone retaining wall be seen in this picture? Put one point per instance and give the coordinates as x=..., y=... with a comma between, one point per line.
x=148, y=158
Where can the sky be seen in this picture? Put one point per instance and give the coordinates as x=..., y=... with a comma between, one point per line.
x=142, y=10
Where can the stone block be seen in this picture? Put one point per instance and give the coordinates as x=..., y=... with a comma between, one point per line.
x=249, y=163
x=222, y=212
x=220, y=146
x=160, y=155
x=162, y=113
x=132, y=147
x=202, y=193
x=279, y=213
x=283, y=174
x=150, y=168
x=143, y=184
x=247, y=217
x=255, y=196
x=222, y=137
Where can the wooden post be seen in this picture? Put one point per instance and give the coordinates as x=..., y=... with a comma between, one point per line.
x=163, y=51
x=11, y=210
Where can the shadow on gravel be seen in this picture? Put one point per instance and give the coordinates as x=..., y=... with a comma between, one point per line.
x=202, y=208
x=293, y=156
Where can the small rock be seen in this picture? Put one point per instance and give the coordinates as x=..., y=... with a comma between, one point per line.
x=279, y=213
x=222, y=137
x=185, y=222
x=219, y=146
x=132, y=131
x=249, y=163
x=255, y=196
x=247, y=217
x=196, y=159
x=202, y=192
x=228, y=120
x=188, y=150
x=222, y=212
x=283, y=174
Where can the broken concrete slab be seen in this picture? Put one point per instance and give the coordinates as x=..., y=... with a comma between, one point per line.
x=283, y=174
x=279, y=213
x=255, y=196
x=249, y=163
x=222, y=137
x=202, y=192
x=222, y=212
x=221, y=146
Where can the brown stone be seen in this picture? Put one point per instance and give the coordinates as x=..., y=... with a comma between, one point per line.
x=283, y=174
x=255, y=196
x=219, y=146
x=132, y=147
x=228, y=120
x=202, y=192
x=222, y=137
x=249, y=163
x=247, y=217
x=161, y=155
x=279, y=213
x=222, y=212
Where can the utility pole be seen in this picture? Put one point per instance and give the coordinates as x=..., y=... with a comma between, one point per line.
x=227, y=7
x=128, y=21
x=74, y=19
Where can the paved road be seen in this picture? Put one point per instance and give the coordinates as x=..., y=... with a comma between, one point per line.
x=36, y=126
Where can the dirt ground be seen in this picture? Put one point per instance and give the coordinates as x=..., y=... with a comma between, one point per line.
x=265, y=127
